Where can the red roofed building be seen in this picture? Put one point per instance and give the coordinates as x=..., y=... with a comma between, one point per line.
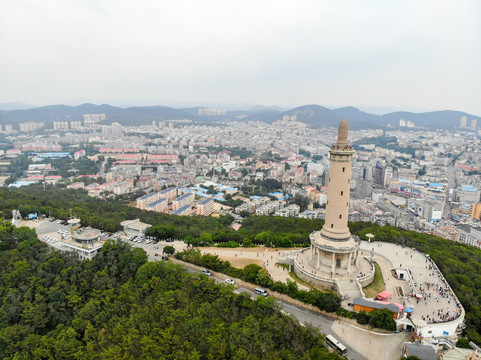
x=165, y=159
x=77, y=185
x=111, y=150
x=53, y=179
x=90, y=176
x=12, y=153
x=131, y=157
x=78, y=154
x=125, y=162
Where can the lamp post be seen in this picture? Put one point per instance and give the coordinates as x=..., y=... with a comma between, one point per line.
x=369, y=237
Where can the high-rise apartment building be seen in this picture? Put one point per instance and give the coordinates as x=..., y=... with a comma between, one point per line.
x=75, y=124
x=29, y=126
x=60, y=125
x=92, y=119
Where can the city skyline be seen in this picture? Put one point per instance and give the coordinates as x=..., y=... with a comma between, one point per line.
x=410, y=55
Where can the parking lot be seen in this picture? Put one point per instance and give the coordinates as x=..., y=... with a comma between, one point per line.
x=54, y=231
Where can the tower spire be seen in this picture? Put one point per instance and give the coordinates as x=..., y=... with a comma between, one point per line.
x=342, y=134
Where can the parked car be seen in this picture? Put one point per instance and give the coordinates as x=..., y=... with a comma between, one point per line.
x=206, y=272
x=229, y=281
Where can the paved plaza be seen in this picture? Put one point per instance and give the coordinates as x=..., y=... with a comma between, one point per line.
x=266, y=257
x=436, y=301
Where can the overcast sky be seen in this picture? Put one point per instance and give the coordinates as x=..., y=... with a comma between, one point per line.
x=413, y=55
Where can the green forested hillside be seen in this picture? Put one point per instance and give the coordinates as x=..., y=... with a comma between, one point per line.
x=460, y=264
x=105, y=215
x=119, y=306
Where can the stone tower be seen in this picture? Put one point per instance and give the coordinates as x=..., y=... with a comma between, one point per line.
x=334, y=250
x=338, y=188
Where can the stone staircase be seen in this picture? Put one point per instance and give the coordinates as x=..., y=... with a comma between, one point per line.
x=350, y=289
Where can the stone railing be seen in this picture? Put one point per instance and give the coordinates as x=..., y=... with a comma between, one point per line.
x=315, y=279
x=287, y=260
x=367, y=279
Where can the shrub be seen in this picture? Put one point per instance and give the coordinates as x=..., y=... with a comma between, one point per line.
x=170, y=250
x=230, y=244
x=248, y=243
x=382, y=319
x=234, y=272
x=213, y=262
x=280, y=287
x=250, y=273
x=263, y=278
x=345, y=313
x=192, y=256
x=362, y=317
x=293, y=289
x=463, y=343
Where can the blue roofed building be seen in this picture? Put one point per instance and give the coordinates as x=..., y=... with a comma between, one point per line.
x=467, y=193
x=169, y=194
x=205, y=207
x=160, y=205
x=181, y=201
x=144, y=201
x=184, y=210
x=55, y=155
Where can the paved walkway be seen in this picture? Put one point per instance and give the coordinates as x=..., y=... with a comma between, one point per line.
x=438, y=302
x=391, y=284
x=373, y=346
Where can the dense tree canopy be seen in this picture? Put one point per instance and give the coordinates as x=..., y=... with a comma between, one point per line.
x=121, y=306
x=256, y=274
x=301, y=200
x=105, y=215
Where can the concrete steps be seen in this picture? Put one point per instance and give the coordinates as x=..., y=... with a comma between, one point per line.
x=350, y=289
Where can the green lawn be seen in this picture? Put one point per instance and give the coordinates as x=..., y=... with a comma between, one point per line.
x=377, y=285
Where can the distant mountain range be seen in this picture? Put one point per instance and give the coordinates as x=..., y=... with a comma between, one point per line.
x=15, y=106
x=314, y=115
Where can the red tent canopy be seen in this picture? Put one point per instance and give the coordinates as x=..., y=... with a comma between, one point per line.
x=384, y=295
